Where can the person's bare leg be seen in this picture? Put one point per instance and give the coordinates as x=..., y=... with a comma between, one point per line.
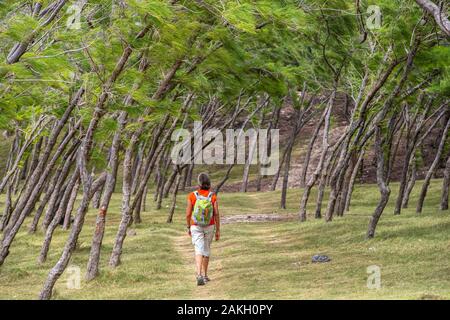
x=205, y=266
x=199, y=264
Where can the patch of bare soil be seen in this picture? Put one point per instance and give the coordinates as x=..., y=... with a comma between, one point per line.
x=254, y=218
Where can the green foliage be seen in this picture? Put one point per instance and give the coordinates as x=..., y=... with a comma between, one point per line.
x=226, y=47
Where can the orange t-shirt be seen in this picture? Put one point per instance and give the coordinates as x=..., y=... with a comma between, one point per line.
x=203, y=193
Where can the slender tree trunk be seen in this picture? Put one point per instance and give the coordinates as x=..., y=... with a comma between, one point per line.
x=356, y=169
x=59, y=214
x=113, y=166
x=70, y=205
x=57, y=191
x=97, y=198
x=322, y=184
x=189, y=175
x=248, y=163
x=309, y=151
x=92, y=268
x=382, y=185
x=287, y=167
x=446, y=186
x=23, y=207
x=127, y=208
x=411, y=183
x=48, y=194
x=432, y=169
x=276, y=176
x=325, y=146
x=7, y=211
x=174, y=199
x=225, y=179
x=31, y=194
x=169, y=183
x=137, y=210
x=144, y=199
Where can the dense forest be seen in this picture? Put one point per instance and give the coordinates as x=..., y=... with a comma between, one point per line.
x=91, y=93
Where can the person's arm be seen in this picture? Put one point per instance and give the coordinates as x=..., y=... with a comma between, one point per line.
x=188, y=215
x=217, y=220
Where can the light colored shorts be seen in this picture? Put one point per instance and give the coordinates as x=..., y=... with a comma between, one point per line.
x=202, y=238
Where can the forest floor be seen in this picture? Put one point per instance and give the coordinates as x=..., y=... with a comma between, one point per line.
x=254, y=260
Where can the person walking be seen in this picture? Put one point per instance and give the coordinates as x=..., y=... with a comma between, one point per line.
x=203, y=223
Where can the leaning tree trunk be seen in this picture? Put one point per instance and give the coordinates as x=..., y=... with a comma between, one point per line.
x=248, y=163
x=7, y=211
x=321, y=188
x=28, y=199
x=48, y=194
x=174, y=199
x=23, y=208
x=169, y=183
x=225, y=179
x=251, y=154
x=284, y=185
x=59, y=214
x=113, y=166
x=309, y=151
x=432, y=169
x=411, y=183
x=70, y=205
x=189, y=174
x=128, y=207
x=382, y=185
x=351, y=186
x=58, y=189
x=276, y=176
x=97, y=198
x=84, y=155
x=325, y=146
x=324, y=174
x=92, y=268
x=144, y=199
x=137, y=219
x=446, y=186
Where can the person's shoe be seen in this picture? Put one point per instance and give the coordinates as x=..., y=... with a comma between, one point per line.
x=200, y=281
x=206, y=279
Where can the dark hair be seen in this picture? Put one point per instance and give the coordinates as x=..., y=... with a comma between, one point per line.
x=203, y=181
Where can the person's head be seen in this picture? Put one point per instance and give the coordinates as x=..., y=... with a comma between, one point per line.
x=204, y=183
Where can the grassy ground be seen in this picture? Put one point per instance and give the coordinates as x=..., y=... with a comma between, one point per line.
x=255, y=260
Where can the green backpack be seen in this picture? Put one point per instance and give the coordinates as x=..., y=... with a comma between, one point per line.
x=203, y=209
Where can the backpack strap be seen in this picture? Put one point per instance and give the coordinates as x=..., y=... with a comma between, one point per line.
x=210, y=195
x=196, y=194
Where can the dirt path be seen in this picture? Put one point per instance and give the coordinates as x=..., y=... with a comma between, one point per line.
x=211, y=290
x=214, y=289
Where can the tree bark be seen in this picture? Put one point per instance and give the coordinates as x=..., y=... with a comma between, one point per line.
x=411, y=183
x=174, y=199
x=432, y=169
x=70, y=205
x=438, y=14
x=382, y=185
x=8, y=208
x=92, y=267
x=446, y=186
x=356, y=169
